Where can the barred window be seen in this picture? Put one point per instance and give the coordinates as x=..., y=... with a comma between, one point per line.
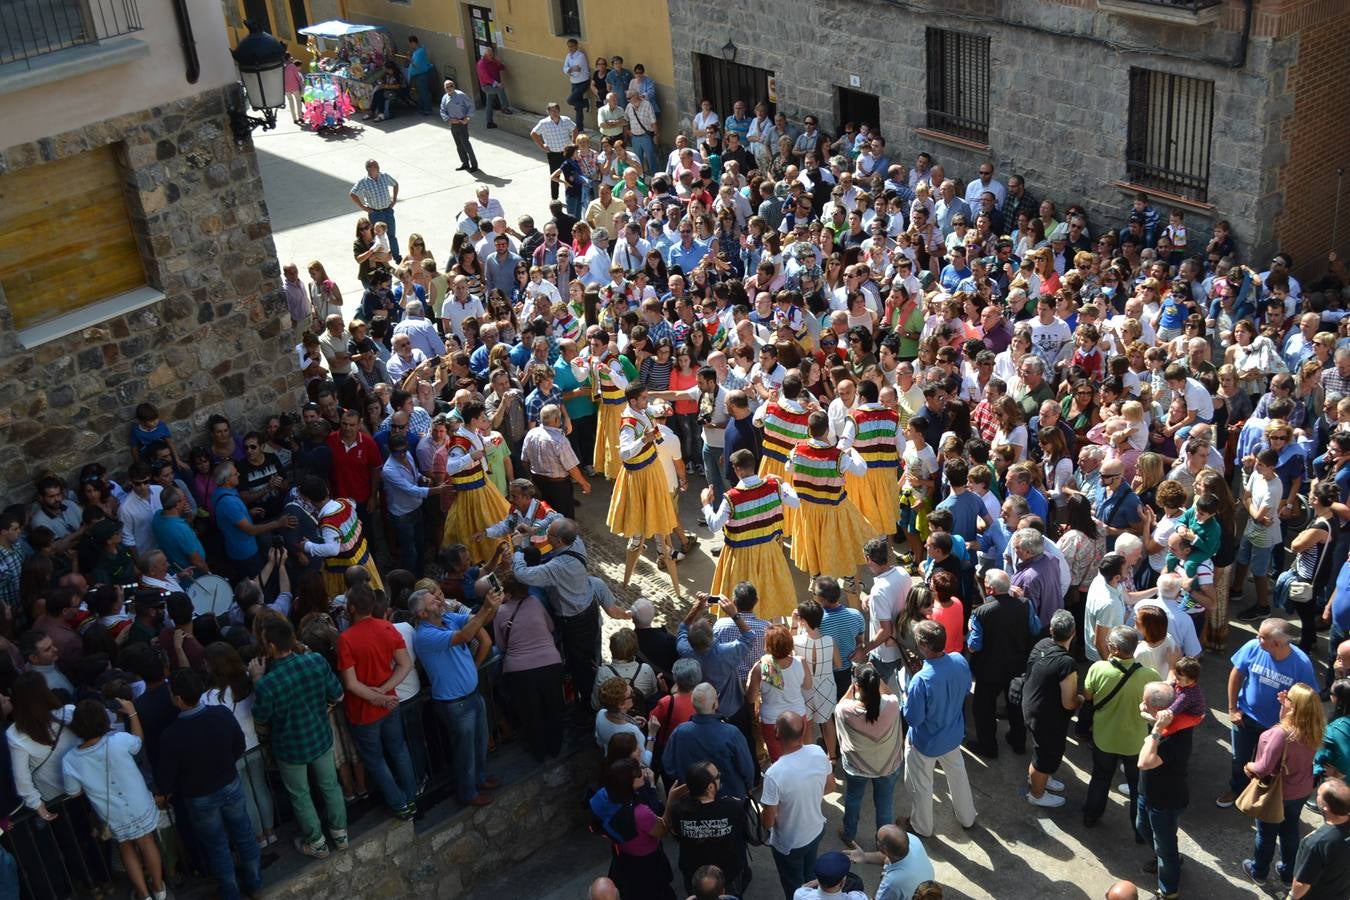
x=958, y=84
x=1170, y=126
x=569, y=18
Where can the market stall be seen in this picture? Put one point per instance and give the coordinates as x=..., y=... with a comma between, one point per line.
x=348, y=60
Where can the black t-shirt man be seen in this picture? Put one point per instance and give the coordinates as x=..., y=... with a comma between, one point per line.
x=255, y=477
x=1165, y=786
x=1323, y=861
x=710, y=834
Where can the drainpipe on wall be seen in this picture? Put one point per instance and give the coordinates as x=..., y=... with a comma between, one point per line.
x=1240, y=55
x=184, y=20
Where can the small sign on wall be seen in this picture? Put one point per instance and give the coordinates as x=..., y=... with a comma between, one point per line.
x=854, y=81
x=773, y=89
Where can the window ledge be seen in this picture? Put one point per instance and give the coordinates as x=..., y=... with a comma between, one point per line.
x=1174, y=199
x=943, y=137
x=68, y=63
x=1158, y=12
x=94, y=314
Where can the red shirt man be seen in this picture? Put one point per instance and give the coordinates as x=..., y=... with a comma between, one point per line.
x=356, y=460
x=371, y=659
x=489, y=71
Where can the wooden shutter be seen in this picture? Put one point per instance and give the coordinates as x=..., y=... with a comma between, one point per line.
x=68, y=238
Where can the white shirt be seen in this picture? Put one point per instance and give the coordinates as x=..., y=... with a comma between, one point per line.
x=668, y=451
x=976, y=187
x=1050, y=341
x=838, y=413
x=1179, y=624
x=889, y=592
x=795, y=784
x=1103, y=608
x=1199, y=401
x=703, y=119
x=411, y=686
x=136, y=516
x=456, y=312
x=576, y=67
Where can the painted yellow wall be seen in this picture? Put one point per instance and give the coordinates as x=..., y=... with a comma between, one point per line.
x=608, y=27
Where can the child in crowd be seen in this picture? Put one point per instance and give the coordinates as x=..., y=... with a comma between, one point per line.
x=380, y=249
x=1176, y=233
x=1188, y=708
x=1196, y=537
x=149, y=428
x=1088, y=356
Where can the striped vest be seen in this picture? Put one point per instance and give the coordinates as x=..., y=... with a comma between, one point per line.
x=816, y=475
x=610, y=393
x=340, y=515
x=875, y=437
x=534, y=516
x=756, y=514
x=472, y=477
x=783, y=430
x=645, y=457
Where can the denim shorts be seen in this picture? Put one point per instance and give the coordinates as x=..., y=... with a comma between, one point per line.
x=1257, y=559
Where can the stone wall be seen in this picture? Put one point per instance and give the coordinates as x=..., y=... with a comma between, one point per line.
x=451, y=858
x=219, y=342
x=1059, y=90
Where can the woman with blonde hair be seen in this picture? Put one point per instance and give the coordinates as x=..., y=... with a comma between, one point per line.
x=324, y=296
x=1149, y=472
x=1289, y=746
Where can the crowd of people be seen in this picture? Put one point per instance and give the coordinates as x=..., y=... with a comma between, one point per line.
x=1021, y=455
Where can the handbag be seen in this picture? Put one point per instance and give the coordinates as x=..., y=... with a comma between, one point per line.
x=1263, y=798
x=756, y=835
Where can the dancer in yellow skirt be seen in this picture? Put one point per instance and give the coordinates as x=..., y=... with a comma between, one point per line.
x=830, y=530
x=752, y=513
x=608, y=382
x=341, y=543
x=783, y=420
x=640, y=506
x=871, y=429
x=478, y=504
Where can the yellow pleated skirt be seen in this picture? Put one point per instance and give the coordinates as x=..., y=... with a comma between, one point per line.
x=829, y=539
x=640, y=505
x=335, y=579
x=473, y=511
x=764, y=566
x=607, y=461
x=877, y=496
x=772, y=467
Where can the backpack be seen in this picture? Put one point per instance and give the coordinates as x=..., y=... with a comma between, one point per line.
x=641, y=703
x=604, y=817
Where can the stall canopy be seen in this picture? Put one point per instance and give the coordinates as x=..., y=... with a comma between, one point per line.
x=335, y=28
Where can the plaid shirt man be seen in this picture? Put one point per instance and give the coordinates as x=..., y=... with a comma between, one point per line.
x=1334, y=382
x=725, y=629
x=657, y=330
x=378, y=192
x=292, y=699
x=982, y=419
x=11, y=563
x=537, y=401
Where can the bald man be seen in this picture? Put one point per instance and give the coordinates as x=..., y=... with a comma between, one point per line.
x=602, y=889
x=1122, y=890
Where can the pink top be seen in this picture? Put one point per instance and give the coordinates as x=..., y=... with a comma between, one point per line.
x=951, y=618
x=1298, y=762
x=489, y=71
x=528, y=641
x=644, y=844
x=291, y=79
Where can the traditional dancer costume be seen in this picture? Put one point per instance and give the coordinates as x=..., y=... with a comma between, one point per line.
x=751, y=516
x=871, y=429
x=538, y=516
x=784, y=424
x=830, y=531
x=478, y=504
x=607, y=386
x=640, y=506
x=343, y=545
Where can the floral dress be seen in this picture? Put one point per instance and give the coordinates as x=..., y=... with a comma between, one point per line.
x=1083, y=554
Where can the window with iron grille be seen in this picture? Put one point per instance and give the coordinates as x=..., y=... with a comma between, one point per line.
x=1170, y=127
x=569, y=18
x=958, y=84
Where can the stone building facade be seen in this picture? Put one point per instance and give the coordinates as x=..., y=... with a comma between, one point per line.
x=208, y=332
x=1058, y=82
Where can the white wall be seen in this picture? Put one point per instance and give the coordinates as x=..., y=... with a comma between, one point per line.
x=53, y=108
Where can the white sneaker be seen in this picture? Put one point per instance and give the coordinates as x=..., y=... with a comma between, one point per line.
x=1123, y=788
x=1054, y=784
x=1048, y=800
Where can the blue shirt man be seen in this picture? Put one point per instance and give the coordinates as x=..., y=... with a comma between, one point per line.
x=721, y=663
x=741, y=433
x=230, y=510
x=954, y=272
x=967, y=510
x=177, y=539
x=706, y=737
x=566, y=381
x=448, y=665
x=934, y=706
x=402, y=493
x=1268, y=665
x=687, y=257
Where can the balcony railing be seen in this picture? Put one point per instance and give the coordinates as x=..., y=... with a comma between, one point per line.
x=30, y=29
x=1179, y=12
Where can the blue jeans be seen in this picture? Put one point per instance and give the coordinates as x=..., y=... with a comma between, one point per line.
x=577, y=98
x=384, y=751
x=798, y=867
x=883, y=797
x=645, y=148
x=221, y=819
x=409, y=534
x=1287, y=834
x=573, y=199
x=1159, y=827
x=495, y=92
x=466, y=720
x=712, y=468
x=387, y=217
x=1244, y=736
x=423, y=84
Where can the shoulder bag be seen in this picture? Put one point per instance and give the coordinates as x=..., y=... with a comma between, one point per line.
x=1097, y=707
x=1263, y=798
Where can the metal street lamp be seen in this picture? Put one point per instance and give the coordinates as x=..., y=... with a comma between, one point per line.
x=261, y=59
x=729, y=51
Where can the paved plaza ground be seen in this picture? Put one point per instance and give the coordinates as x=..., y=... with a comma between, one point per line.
x=1015, y=850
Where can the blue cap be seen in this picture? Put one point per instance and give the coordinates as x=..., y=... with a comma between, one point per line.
x=831, y=868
